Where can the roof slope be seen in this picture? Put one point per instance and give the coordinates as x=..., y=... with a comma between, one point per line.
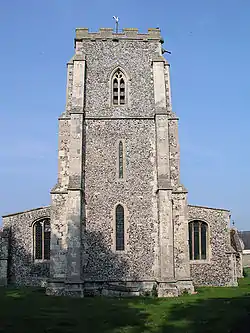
x=245, y=236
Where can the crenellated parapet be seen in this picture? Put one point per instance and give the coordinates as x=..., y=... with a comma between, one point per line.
x=153, y=34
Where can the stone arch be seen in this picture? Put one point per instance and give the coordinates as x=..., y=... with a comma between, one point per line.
x=119, y=87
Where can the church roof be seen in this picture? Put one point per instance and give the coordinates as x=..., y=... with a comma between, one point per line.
x=236, y=242
x=245, y=236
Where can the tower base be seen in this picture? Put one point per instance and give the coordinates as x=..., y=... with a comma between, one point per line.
x=119, y=288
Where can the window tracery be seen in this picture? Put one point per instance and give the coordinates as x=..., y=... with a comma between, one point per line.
x=41, y=239
x=198, y=231
x=118, y=88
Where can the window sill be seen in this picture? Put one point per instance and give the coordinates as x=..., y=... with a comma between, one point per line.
x=120, y=252
x=200, y=261
x=121, y=179
x=40, y=261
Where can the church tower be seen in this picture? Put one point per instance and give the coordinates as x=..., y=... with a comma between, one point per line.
x=119, y=220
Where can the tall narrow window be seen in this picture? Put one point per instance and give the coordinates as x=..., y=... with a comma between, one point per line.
x=197, y=240
x=118, y=88
x=41, y=237
x=119, y=224
x=38, y=240
x=120, y=157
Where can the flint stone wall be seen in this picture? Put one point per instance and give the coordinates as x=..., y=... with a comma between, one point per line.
x=22, y=268
x=219, y=269
x=103, y=189
x=135, y=58
x=136, y=192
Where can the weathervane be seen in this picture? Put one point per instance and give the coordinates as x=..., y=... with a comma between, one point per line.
x=116, y=18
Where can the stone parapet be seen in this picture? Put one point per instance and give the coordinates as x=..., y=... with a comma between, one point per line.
x=127, y=33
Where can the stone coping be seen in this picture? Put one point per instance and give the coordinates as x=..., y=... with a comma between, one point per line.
x=213, y=208
x=25, y=211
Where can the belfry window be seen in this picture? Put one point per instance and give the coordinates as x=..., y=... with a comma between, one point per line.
x=119, y=228
x=121, y=160
x=41, y=239
x=198, y=240
x=118, y=88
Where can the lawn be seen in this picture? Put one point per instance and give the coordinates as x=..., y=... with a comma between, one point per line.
x=211, y=310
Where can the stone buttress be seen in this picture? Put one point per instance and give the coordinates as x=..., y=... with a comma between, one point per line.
x=67, y=209
x=174, y=268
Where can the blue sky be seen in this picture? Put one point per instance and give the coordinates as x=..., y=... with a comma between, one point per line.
x=209, y=41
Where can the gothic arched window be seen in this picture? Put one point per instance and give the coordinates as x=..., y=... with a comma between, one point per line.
x=118, y=88
x=119, y=228
x=41, y=238
x=198, y=240
x=120, y=159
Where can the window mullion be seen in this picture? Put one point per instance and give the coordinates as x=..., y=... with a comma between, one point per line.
x=34, y=240
x=119, y=91
x=206, y=242
x=199, y=240
x=113, y=91
x=192, y=240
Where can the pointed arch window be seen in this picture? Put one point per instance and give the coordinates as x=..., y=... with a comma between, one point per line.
x=120, y=160
x=198, y=231
x=41, y=239
x=119, y=227
x=118, y=88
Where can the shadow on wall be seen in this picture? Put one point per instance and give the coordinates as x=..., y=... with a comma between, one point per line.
x=99, y=262
x=22, y=269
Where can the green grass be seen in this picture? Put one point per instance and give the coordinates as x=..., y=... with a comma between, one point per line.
x=211, y=310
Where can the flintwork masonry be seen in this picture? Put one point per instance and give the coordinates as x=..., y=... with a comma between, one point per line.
x=119, y=223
